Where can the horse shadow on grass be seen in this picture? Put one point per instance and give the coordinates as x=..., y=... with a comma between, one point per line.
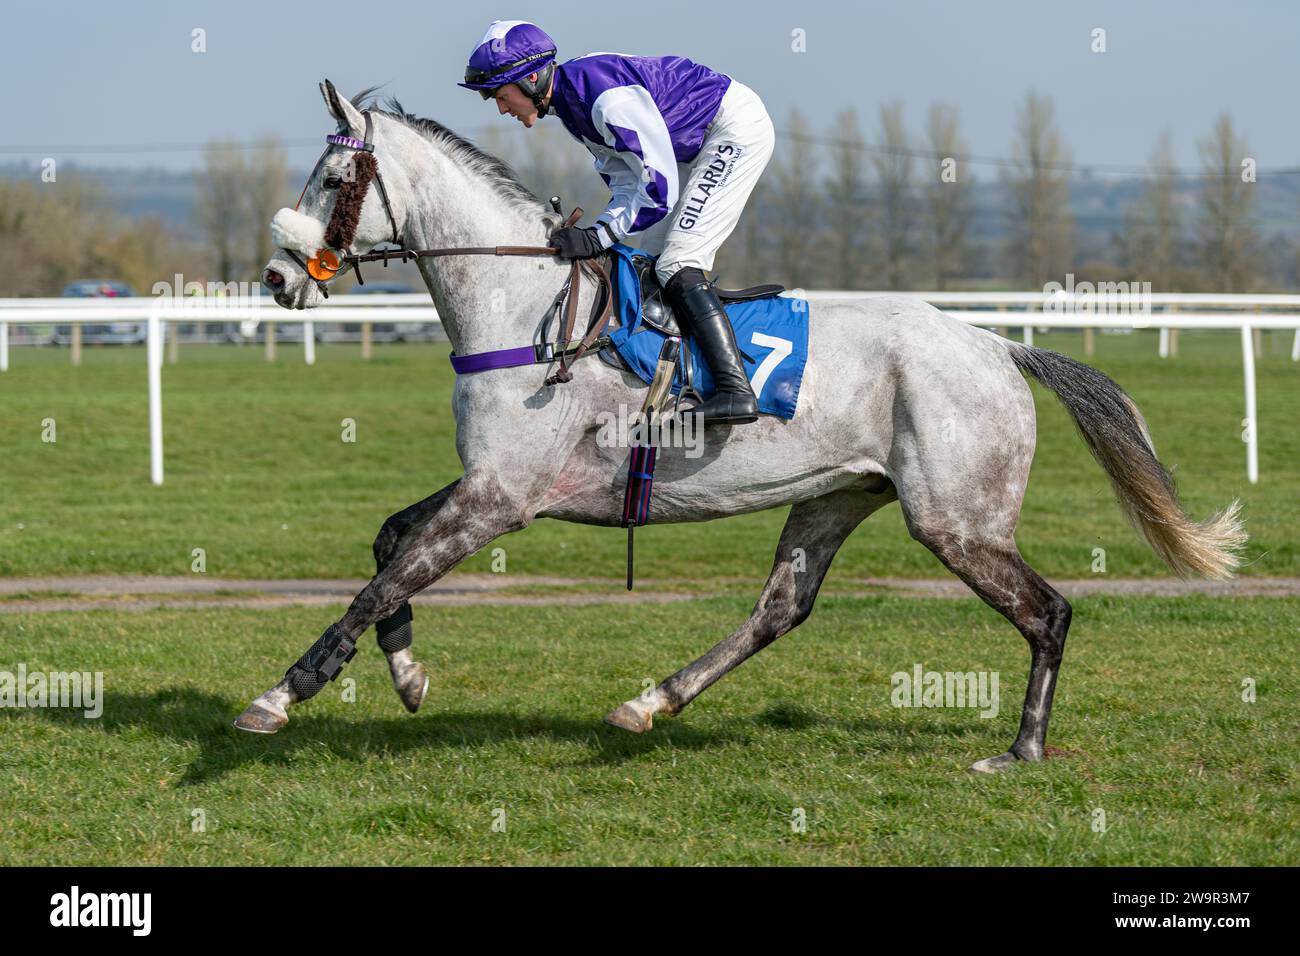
x=192, y=716
x=912, y=732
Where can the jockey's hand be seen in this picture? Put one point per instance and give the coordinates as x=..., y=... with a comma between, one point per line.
x=576, y=243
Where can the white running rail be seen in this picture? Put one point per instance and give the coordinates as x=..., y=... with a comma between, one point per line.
x=1025, y=310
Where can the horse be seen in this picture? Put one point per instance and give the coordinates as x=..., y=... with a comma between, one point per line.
x=899, y=403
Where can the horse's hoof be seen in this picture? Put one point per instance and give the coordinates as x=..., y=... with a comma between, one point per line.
x=412, y=688
x=629, y=718
x=260, y=719
x=994, y=764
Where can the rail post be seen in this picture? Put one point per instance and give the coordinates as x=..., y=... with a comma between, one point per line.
x=153, y=359
x=1252, y=426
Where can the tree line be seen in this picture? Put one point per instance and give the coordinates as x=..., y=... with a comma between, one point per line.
x=910, y=213
x=889, y=208
x=907, y=210
x=53, y=232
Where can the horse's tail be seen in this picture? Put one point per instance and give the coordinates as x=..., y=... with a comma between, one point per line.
x=1117, y=436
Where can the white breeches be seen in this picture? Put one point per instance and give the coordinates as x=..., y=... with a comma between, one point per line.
x=715, y=187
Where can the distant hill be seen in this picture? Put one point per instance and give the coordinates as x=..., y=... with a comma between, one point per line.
x=137, y=193
x=1098, y=204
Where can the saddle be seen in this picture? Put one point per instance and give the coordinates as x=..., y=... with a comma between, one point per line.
x=658, y=314
x=674, y=357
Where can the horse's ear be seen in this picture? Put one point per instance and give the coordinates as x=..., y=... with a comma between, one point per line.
x=348, y=116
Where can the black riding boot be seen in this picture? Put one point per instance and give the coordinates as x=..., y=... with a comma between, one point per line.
x=700, y=313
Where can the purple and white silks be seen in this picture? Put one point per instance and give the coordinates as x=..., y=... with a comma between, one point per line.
x=639, y=117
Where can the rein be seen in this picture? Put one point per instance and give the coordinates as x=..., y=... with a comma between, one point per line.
x=327, y=265
x=545, y=352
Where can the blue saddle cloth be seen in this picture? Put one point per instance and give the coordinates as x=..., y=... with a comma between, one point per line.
x=772, y=335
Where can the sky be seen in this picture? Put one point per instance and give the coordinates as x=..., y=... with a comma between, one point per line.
x=92, y=75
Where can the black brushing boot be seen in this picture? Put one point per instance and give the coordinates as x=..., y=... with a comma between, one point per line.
x=700, y=313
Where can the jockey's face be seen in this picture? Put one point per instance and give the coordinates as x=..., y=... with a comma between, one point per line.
x=511, y=99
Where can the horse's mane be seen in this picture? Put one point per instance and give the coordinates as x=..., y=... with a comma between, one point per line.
x=498, y=174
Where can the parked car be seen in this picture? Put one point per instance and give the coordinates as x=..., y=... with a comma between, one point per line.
x=245, y=331
x=402, y=331
x=382, y=288
x=114, y=333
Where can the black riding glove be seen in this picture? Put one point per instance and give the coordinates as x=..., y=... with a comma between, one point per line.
x=577, y=243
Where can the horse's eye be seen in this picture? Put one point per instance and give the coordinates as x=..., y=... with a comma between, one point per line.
x=333, y=182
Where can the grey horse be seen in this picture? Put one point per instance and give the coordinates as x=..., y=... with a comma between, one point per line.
x=899, y=402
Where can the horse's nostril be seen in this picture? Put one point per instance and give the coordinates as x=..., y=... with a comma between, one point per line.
x=273, y=280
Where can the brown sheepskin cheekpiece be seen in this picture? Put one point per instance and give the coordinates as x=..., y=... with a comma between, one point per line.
x=342, y=227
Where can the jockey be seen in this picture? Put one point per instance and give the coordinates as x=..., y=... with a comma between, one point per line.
x=675, y=142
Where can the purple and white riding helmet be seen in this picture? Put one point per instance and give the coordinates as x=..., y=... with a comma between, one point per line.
x=510, y=52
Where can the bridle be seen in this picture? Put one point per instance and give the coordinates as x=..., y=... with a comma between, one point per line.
x=327, y=265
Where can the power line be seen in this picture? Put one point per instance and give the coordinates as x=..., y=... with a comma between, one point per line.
x=1015, y=163
x=1117, y=169
x=1113, y=169
x=107, y=148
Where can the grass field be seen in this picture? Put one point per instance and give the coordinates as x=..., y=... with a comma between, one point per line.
x=1149, y=727
x=258, y=477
